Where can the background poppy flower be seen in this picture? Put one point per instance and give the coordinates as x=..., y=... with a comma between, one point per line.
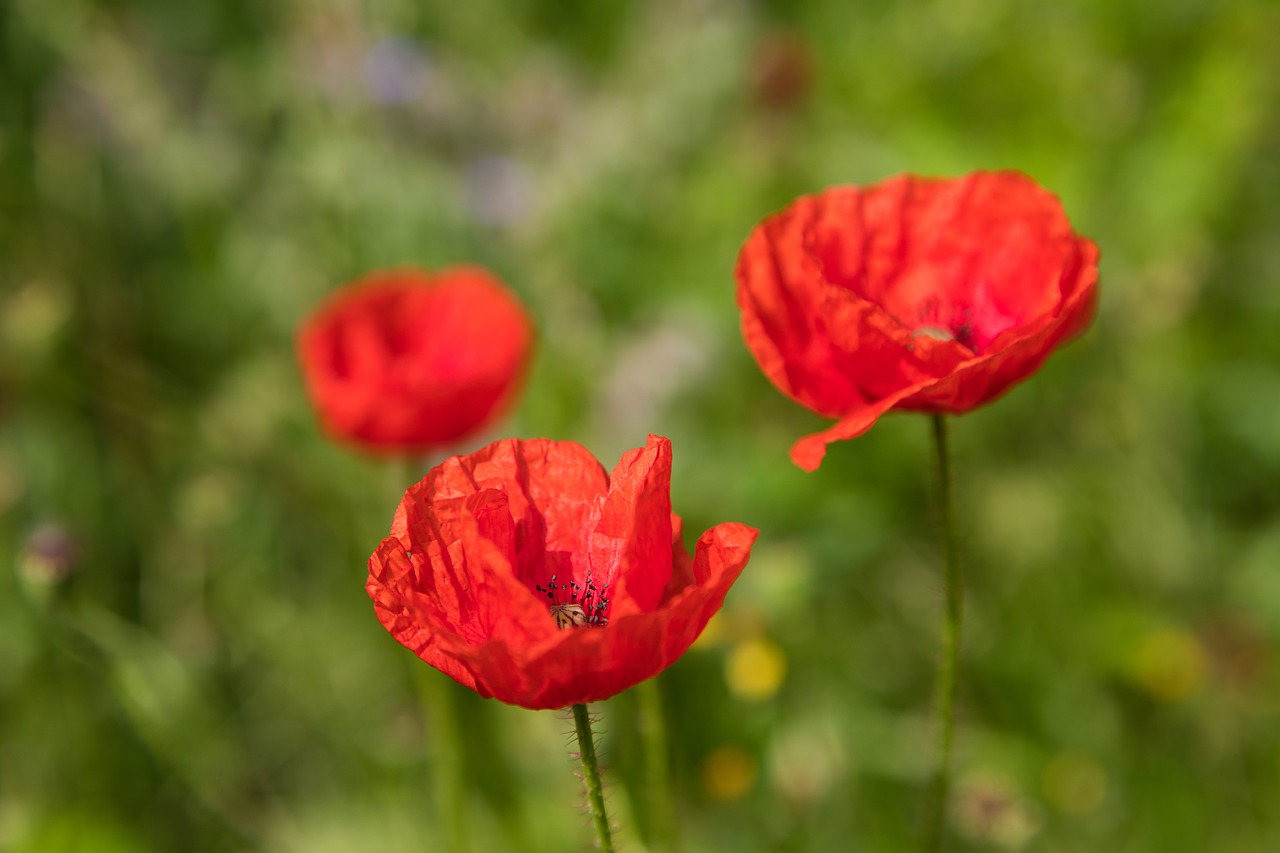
x=527, y=573
x=403, y=361
x=916, y=293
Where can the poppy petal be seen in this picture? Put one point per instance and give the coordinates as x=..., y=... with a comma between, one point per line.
x=631, y=541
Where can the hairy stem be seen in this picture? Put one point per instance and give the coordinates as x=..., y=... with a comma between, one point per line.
x=591, y=776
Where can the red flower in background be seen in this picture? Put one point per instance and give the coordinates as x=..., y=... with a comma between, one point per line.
x=527, y=573
x=916, y=293
x=404, y=361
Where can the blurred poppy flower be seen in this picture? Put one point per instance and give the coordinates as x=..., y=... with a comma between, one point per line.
x=917, y=293
x=527, y=573
x=404, y=361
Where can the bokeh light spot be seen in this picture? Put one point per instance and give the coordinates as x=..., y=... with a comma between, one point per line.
x=728, y=772
x=1170, y=664
x=1074, y=783
x=755, y=668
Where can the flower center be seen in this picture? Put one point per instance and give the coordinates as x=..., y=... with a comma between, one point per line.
x=574, y=605
x=946, y=323
x=962, y=335
x=973, y=321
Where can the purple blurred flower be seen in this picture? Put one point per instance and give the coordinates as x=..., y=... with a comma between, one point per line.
x=49, y=556
x=396, y=70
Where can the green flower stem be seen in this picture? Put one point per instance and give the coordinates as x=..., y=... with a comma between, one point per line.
x=591, y=776
x=440, y=717
x=653, y=729
x=945, y=697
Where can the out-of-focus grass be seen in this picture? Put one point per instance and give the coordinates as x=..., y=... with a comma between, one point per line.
x=179, y=183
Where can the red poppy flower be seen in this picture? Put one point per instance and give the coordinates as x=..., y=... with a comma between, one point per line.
x=527, y=573
x=916, y=293
x=404, y=361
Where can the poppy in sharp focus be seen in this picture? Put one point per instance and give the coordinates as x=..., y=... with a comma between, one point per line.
x=916, y=293
x=406, y=361
x=528, y=573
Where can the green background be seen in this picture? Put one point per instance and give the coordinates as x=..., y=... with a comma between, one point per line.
x=181, y=182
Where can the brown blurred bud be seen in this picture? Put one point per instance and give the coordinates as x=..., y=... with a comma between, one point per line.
x=781, y=71
x=1239, y=653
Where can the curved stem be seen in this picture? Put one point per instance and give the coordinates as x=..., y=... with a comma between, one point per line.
x=591, y=776
x=945, y=697
x=653, y=729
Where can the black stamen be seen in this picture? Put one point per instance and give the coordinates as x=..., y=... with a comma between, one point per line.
x=570, y=593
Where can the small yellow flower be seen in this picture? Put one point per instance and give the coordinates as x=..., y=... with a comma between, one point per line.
x=755, y=668
x=728, y=772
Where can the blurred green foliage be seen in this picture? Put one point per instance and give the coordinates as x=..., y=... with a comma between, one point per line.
x=181, y=182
